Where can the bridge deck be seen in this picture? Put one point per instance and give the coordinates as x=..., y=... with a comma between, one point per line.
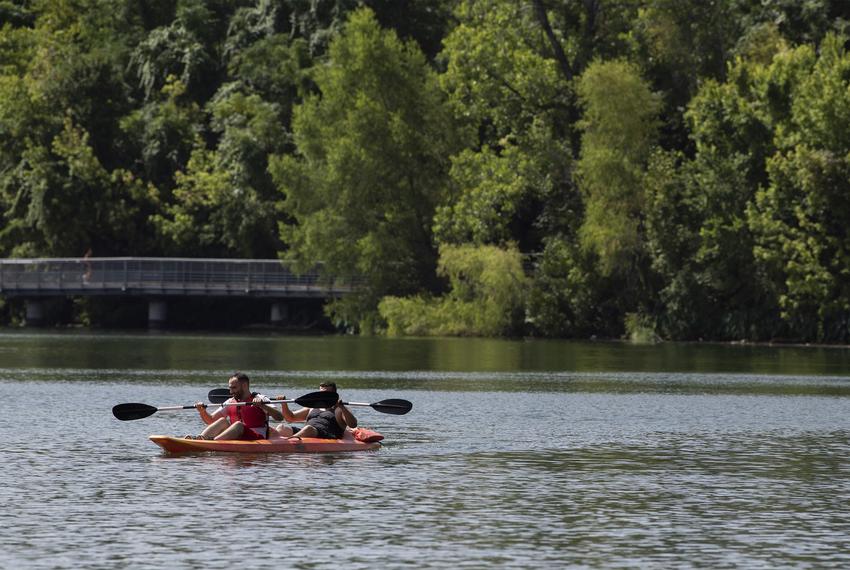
x=162, y=277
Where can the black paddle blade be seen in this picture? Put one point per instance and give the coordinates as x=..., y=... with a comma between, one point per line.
x=218, y=395
x=127, y=412
x=318, y=400
x=393, y=406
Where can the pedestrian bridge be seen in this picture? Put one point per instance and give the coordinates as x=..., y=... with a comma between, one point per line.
x=159, y=278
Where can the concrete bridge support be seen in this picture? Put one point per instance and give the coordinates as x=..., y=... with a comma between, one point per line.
x=157, y=313
x=279, y=313
x=34, y=313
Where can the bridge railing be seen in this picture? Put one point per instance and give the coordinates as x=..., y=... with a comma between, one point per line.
x=173, y=276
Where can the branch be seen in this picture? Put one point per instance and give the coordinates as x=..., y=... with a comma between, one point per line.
x=560, y=56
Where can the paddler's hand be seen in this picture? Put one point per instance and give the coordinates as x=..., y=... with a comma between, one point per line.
x=258, y=400
x=200, y=406
x=281, y=397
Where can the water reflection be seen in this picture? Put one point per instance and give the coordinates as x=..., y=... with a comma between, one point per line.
x=525, y=382
x=259, y=461
x=82, y=350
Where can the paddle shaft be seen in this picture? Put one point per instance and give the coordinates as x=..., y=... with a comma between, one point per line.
x=136, y=411
x=311, y=400
x=223, y=405
x=315, y=400
x=252, y=403
x=169, y=408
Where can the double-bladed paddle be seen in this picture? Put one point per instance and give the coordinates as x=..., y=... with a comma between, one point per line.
x=392, y=406
x=135, y=411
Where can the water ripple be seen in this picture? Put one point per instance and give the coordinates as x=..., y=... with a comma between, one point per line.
x=469, y=479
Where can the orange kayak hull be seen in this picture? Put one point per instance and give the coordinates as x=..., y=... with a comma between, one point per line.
x=173, y=444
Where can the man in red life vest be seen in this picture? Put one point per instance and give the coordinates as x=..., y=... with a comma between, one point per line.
x=238, y=422
x=325, y=423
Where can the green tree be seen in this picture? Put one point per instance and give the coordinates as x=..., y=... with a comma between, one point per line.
x=486, y=296
x=61, y=175
x=513, y=184
x=500, y=194
x=701, y=248
x=161, y=134
x=187, y=48
x=799, y=219
x=224, y=201
x=698, y=235
x=620, y=126
x=224, y=198
x=568, y=297
x=798, y=21
x=424, y=21
x=371, y=165
x=748, y=230
x=579, y=32
x=73, y=202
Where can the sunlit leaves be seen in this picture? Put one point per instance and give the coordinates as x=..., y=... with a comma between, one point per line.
x=74, y=203
x=486, y=298
x=787, y=121
x=372, y=162
x=802, y=238
x=504, y=84
x=171, y=51
x=620, y=122
x=223, y=201
x=496, y=69
x=162, y=132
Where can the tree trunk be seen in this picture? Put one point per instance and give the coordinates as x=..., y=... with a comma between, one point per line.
x=560, y=56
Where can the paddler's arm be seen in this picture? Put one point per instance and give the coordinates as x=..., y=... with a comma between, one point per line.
x=344, y=414
x=207, y=417
x=273, y=412
x=289, y=415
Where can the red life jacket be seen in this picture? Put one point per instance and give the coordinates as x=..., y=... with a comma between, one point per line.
x=250, y=416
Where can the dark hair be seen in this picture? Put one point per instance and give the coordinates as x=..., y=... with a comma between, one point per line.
x=331, y=385
x=241, y=376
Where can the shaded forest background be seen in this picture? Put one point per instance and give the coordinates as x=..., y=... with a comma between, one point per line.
x=674, y=169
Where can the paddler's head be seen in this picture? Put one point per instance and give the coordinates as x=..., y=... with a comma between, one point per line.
x=239, y=385
x=327, y=387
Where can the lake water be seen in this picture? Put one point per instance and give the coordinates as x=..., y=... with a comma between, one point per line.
x=517, y=454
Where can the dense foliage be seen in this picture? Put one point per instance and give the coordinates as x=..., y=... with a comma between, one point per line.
x=487, y=289
x=673, y=169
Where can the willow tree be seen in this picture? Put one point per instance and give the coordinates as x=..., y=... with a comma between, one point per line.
x=488, y=287
x=620, y=122
x=371, y=166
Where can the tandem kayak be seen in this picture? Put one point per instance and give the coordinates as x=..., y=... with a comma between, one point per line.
x=347, y=442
